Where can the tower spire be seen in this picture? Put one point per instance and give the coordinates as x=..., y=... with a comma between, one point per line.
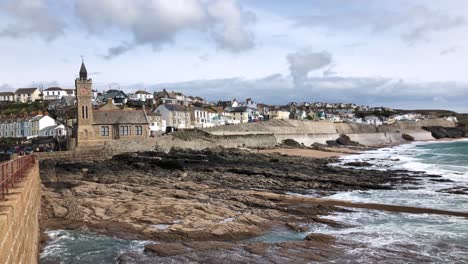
x=83, y=71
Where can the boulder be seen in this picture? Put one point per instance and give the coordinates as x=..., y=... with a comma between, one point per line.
x=407, y=137
x=344, y=140
x=291, y=143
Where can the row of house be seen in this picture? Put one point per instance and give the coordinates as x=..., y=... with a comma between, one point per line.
x=30, y=127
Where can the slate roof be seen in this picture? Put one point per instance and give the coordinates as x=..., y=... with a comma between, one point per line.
x=25, y=90
x=111, y=117
x=176, y=107
x=54, y=89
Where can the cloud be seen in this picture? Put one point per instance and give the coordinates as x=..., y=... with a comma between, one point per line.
x=414, y=22
x=118, y=50
x=157, y=22
x=30, y=17
x=301, y=63
x=448, y=51
x=279, y=89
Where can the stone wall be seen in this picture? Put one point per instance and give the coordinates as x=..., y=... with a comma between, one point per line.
x=310, y=132
x=19, y=221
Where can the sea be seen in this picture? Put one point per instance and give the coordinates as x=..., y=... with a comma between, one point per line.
x=370, y=236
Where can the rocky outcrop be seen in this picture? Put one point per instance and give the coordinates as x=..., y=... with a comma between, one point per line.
x=186, y=197
x=439, y=132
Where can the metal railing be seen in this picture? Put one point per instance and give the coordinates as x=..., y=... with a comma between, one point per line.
x=13, y=171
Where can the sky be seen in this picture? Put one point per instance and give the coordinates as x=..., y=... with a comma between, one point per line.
x=408, y=54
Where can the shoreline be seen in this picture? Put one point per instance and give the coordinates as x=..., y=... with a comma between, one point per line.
x=182, y=185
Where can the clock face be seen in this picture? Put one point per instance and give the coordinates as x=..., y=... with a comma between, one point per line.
x=84, y=90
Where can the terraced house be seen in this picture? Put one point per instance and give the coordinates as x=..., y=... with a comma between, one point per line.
x=30, y=127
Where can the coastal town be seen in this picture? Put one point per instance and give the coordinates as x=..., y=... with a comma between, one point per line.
x=119, y=114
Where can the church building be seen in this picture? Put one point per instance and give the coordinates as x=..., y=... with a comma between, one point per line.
x=107, y=123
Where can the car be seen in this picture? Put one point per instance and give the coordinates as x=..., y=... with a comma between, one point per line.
x=2, y=151
x=28, y=151
x=11, y=151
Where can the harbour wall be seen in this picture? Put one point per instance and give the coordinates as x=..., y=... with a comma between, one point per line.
x=19, y=220
x=310, y=132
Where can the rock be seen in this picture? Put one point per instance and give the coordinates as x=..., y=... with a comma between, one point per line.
x=297, y=227
x=407, y=137
x=139, y=165
x=439, y=132
x=358, y=164
x=60, y=211
x=291, y=143
x=344, y=140
x=167, y=249
x=322, y=238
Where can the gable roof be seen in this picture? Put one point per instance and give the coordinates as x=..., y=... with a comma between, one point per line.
x=141, y=92
x=54, y=89
x=25, y=90
x=175, y=107
x=111, y=117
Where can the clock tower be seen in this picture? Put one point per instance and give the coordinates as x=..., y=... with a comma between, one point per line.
x=84, y=107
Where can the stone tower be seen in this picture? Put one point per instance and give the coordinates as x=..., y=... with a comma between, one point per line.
x=83, y=86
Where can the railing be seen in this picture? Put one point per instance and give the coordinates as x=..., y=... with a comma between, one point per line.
x=12, y=172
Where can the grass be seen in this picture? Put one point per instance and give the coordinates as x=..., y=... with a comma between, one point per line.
x=23, y=108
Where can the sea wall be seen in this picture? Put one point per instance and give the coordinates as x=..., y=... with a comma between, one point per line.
x=19, y=221
x=310, y=132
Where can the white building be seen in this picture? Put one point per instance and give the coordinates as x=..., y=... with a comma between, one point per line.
x=7, y=97
x=24, y=95
x=177, y=116
x=143, y=95
x=54, y=93
x=201, y=117
x=30, y=127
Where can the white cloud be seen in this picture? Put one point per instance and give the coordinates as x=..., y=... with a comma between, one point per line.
x=301, y=63
x=414, y=22
x=157, y=22
x=30, y=17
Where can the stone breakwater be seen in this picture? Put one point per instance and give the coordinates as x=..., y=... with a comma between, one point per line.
x=310, y=132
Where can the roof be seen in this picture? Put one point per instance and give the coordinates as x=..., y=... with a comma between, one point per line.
x=6, y=93
x=69, y=91
x=54, y=89
x=111, y=94
x=175, y=107
x=239, y=109
x=25, y=90
x=111, y=117
x=141, y=92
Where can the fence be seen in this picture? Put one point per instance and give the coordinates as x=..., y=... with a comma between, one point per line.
x=12, y=171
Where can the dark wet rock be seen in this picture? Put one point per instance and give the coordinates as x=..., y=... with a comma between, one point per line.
x=291, y=143
x=358, y=164
x=439, y=132
x=407, y=137
x=346, y=141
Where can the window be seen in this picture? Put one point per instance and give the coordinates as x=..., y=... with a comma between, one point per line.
x=104, y=131
x=139, y=130
x=124, y=131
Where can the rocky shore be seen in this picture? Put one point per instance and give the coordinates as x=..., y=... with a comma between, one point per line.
x=204, y=206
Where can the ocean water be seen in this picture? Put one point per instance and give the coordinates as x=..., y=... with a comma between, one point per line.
x=68, y=247
x=408, y=238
